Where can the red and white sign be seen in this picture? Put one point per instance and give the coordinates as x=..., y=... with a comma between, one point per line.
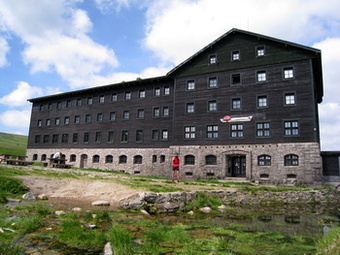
x=236, y=119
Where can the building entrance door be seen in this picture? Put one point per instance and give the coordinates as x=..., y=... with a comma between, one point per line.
x=238, y=166
x=83, y=161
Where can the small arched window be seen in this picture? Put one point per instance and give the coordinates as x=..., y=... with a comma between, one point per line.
x=95, y=159
x=43, y=157
x=189, y=160
x=35, y=157
x=108, y=159
x=291, y=160
x=138, y=159
x=73, y=158
x=210, y=160
x=122, y=159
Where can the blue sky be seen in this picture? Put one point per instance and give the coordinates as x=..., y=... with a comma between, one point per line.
x=50, y=46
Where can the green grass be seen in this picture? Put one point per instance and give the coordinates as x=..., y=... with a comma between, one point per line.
x=204, y=199
x=13, y=144
x=330, y=243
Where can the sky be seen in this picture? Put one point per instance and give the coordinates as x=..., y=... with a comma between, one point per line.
x=52, y=46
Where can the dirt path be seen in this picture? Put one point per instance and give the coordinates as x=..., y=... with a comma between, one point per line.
x=83, y=190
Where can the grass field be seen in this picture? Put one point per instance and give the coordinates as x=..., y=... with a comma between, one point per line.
x=13, y=144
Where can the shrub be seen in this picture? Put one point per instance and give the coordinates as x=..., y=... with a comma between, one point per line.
x=330, y=244
x=11, y=185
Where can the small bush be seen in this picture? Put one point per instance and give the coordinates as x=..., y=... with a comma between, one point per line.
x=330, y=244
x=11, y=185
x=73, y=233
x=10, y=250
x=204, y=199
x=121, y=240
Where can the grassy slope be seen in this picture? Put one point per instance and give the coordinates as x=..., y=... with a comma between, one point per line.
x=14, y=144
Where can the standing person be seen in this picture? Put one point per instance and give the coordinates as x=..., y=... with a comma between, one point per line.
x=175, y=167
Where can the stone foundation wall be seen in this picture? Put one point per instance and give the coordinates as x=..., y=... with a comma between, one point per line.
x=157, y=161
x=174, y=201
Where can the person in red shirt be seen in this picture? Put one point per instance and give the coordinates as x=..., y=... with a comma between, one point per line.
x=175, y=168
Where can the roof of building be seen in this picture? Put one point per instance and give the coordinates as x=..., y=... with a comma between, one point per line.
x=317, y=65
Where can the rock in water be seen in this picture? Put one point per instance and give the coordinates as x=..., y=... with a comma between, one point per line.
x=100, y=203
x=108, y=249
x=205, y=209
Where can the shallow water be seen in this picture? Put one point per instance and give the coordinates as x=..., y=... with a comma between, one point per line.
x=306, y=220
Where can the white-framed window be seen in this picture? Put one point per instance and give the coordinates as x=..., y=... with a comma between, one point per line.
x=288, y=73
x=89, y=100
x=190, y=108
x=235, y=55
x=165, y=134
x=127, y=95
x=213, y=59
x=114, y=97
x=260, y=51
x=261, y=76
x=100, y=117
x=112, y=116
x=191, y=85
x=140, y=114
x=290, y=99
x=212, y=131
x=291, y=128
x=67, y=120
x=262, y=101
x=212, y=82
x=189, y=132
x=263, y=129
x=126, y=115
x=142, y=93
x=98, y=137
x=88, y=118
x=167, y=90
x=101, y=99
x=139, y=136
x=156, y=112
x=157, y=92
x=212, y=105
x=236, y=130
x=236, y=103
x=165, y=111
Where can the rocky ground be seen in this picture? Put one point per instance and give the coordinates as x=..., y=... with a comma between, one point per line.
x=91, y=186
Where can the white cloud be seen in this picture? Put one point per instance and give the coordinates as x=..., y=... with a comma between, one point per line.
x=56, y=37
x=4, y=49
x=330, y=109
x=107, y=6
x=16, y=119
x=18, y=97
x=179, y=28
x=330, y=125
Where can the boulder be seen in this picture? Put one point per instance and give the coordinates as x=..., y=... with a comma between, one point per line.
x=133, y=202
x=29, y=196
x=43, y=197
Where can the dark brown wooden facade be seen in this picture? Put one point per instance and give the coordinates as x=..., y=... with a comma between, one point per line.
x=276, y=83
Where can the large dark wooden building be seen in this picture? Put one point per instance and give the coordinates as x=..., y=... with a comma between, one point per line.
x=246, y=105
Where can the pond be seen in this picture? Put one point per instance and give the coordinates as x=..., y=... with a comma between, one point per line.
x=236, y=230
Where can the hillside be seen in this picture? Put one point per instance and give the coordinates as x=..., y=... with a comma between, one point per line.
x=14, y=144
